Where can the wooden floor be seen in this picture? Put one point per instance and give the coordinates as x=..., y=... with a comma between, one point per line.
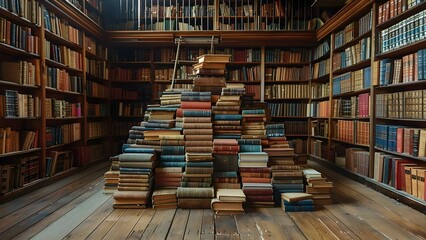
x=76, y=208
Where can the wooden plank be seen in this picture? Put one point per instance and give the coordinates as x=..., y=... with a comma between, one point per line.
x=193, y=228
x=227, y=237
x=39, y=222
x=310, y=226
x=268, y=227
x=44, y=206
x=125, y=224
x=207, y=227
x=284, y=220
x=179, y=224
x=107, y=224
x=335, y=225
x=246, y=225
x=226, y=225
x=160, y=224
x=73, y=218
x=12, y=206
x=92, y=222
x=142, y=224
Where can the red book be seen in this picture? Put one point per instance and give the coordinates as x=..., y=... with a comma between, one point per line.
x=254, y=169
x=252, y=191
x=195, y=105
x=226, y=148
x=400, y=140
x=255, y=180
x=400, y=173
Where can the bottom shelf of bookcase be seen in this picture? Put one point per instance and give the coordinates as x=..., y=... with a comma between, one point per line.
x=387, y=190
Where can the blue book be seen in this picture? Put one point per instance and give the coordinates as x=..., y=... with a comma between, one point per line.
x=250, y=148
x=135, y=170
x=299, y=208
x=420, y=61
x=367, y=77
x=191, y=113
x=199, y=164
x=305, y=202
x=228, y=117
x=163, y=109
x=196, y=93
x=138, y=150
x=225, y=175
x=172, y=164
x=124, y=146
x=289, y=186
x=173, y=150
x=172, y=158
x=253, y=111
x=249, y=142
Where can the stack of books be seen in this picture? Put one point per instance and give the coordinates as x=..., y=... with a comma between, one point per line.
x=172, y=161
x=318, y=186
x=255, y=173
x=164, y=199
x=297, y=202
x=170, y=99
x=210, y=71
x=254, y=124
x=226, y=164
x=112, y=176
x=286, y=175
x=135, y=178
x=196, y=182
x=228, y=201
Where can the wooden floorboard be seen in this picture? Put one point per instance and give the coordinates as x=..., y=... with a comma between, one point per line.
x=76, y=208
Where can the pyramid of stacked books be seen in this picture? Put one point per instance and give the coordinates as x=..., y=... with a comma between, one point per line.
x=135, y=179
x=112, y=176
x=255, y=173
x=297, y=202
x=318, y=186
x=286, y=175
x=196, y=189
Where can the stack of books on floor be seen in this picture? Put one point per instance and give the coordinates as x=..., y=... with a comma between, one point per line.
x=170, y=99
x=318, y=186
x=169, y=172
x=286, y=175
x=255, y=173
x=135, y=178
x=112, y=176
x=210, y=71
x=253, y=124
x=226, y=164
x=196, y=184
x=297, y=202
x=164, y=199
x=228, y=201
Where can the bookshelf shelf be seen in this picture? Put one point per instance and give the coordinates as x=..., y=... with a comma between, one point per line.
x=297, y=135
x=93, y=56
x=322, y=79
x=289, y=117
x=65, y=118
x=50, y=148
x=53, y=90
x=128, y=117
x=18, y=153
x=118, y=63
x=97, y=138
x=234, y=64
x=130, y=81
x=286, y=81
x=357, y=66
x=281, y=64
x=414, y=122
x=423, y=159
x=16, y=18
x=55, y=64
x=97, y=117
x=319, y=137
x=397, y=52
x=320, y=99
x=98, y=98
x=353, y=93
x=13, y=84
x=411, y=11
x=286, y=99
x=351, y=118
x=245, y=82
x=416, y=85
x=349, y=143
x=16, y=52
x=319, y=118
x=59, y=40
x=95, y=78
x=19, y=118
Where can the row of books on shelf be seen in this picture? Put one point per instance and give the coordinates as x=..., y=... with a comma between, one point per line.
x=320, y=90
x=136, y=54
x=16, y=175
x=97, y=68
x=409, y=68
x=353, y=30
x=393, y=8
x=321, y=68
x=352, y=55
x=20, y=72
x=128, y=94
x=321, y=50
x=296, y=127
x=60, y=79
x=403, y=174
x=356, y=106
x=64, y=55
x=159, y=11
x=352, y=131
x=288, y=74
x=401, y=139
x=403, y=33
x=58, y=161
x=63, y=134
x=62, y=28
x=97, y=90
x=244, y=55
x=401, y=105
x=14, y=104
x=97, y=129
x=320, y=128
x=127, y=109
x=319, y=109
x=57, y=108
x=31, y=10
x=163, y=74
x=355, y=160
x=244, y=74
x=288, y=109
x=97, y=110
x=126, y=74
x=294, y=91
x=352, y=81
x=292, y=55
x=14, y=140
x=319, y=149
x=18, y=36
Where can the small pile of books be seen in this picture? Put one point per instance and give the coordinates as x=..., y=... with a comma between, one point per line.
x=228, y=201
x=297, y=202
x=164, y=199
x=112, y=176
x=318, y=186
